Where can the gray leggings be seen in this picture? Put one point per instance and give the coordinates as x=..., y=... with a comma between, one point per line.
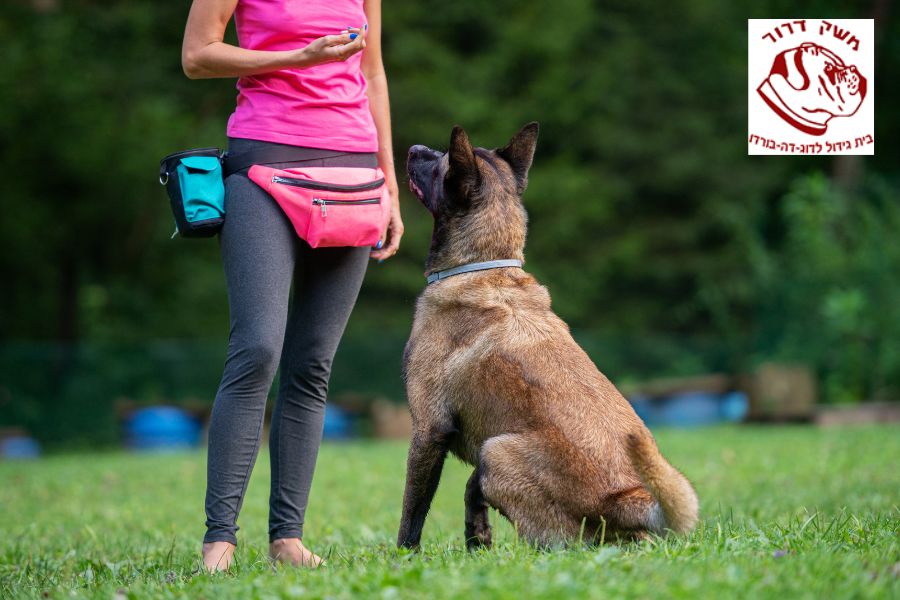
x=262, y=254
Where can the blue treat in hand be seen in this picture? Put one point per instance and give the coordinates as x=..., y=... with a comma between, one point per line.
x=353, y=36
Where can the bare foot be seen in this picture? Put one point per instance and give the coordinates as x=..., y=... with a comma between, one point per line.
x=292, y=551
x=218, y=556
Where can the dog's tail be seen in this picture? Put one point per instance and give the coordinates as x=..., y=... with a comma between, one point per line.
x=672, y=491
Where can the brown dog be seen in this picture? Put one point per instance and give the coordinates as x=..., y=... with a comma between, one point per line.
x=493, y=376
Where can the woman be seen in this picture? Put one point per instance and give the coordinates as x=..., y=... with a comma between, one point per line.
x=310, y=77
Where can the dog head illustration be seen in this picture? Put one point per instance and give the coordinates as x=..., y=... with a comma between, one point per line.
x=810, y=84
x=474, y=195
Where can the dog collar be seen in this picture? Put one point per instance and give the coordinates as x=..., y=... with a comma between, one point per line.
x=477, y=266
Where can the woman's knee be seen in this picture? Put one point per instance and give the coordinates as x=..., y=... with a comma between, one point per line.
x=309, y=377
x=256, y=360
x=249, y=371
x=262, y=355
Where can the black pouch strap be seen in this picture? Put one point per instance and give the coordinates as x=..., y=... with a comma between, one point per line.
x=271, y=155
x=167, y=164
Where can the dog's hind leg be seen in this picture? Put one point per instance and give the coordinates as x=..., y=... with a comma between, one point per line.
x=513, y=482
x=478, y=527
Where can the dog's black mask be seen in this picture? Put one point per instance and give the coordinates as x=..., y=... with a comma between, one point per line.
x=450, y=181
x=433, y=175
x=474, y=196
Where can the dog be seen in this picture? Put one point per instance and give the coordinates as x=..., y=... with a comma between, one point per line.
x=809, y=85
x=493, y=376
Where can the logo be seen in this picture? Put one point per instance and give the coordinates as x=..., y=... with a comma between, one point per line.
x=810, y=86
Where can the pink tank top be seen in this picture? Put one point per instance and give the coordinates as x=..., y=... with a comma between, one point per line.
x=324, y=106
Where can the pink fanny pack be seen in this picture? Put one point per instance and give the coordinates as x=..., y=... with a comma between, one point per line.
x=330, y=206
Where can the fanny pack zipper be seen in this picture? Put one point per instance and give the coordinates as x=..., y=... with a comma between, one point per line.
x=323, y=202
x=328, y=187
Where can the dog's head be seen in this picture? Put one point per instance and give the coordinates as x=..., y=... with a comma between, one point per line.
x=812, y=85
x=474, y=195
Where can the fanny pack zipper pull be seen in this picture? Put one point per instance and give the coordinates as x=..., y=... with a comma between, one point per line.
x=323, y=204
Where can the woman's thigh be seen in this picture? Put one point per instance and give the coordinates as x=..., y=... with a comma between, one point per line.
x=327, y=284
x=258, y=247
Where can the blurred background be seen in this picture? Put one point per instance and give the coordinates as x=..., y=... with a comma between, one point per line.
x=708, y=284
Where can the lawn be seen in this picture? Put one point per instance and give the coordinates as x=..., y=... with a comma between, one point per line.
x=790, y=512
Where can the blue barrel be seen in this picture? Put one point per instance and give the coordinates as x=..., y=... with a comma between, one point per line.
x=734, y=407
x=162, y=428
x=19, y=448
x=690, y=409
x=338, y=424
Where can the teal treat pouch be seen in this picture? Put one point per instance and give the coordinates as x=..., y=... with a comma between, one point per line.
x=194, y=182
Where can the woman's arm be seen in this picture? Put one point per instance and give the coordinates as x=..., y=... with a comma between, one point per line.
x=205, y=55
x=380, y=106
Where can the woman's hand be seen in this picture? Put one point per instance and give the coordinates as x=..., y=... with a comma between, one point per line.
x=205, y=55
x=332, y=48
x=391, y=239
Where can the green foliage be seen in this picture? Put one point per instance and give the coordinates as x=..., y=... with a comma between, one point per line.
x=786, y=512
x=99, y=97
x=829, y=297
x=650, y=226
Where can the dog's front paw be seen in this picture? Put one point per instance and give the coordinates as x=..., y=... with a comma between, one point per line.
x=478, y=537
x=408, y=543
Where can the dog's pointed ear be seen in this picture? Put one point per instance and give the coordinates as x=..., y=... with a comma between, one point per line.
x=463, y=172
x=519, y=153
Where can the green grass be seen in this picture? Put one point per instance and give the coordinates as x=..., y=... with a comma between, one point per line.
x=787, y=512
